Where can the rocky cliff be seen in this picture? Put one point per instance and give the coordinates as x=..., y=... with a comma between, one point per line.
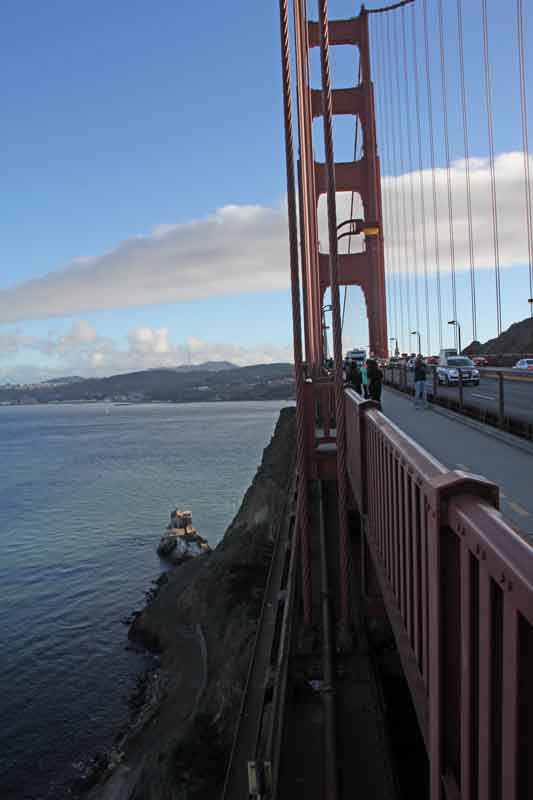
x=203, y=620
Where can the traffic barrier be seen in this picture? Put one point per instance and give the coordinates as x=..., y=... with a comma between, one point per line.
x=457, y=581
x=398, y=377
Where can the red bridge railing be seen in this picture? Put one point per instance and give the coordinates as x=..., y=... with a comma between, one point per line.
x=457, y=582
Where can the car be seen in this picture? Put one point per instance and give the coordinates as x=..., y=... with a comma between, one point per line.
x=450, y=367
x=481, y=361
x=524, y=363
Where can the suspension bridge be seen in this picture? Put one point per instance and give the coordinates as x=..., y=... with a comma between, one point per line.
x=391, y=536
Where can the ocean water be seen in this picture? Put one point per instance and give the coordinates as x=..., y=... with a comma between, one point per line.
x=85, y=493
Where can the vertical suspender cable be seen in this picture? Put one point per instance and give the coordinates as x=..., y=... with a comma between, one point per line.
x=377, y=82
x=302, y=512
x=396, y=214
x=403, y=192
x=410, y=168
x=448, y=170
x=464, y=109
x=335, y=307
x=421, y=182
x=490, y=131
x=433, y=176
x=525, y=142
x=389, y=213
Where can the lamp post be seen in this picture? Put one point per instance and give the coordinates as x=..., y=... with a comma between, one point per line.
x=417, y=333
x=530, y=301
x=324, y=329
x=394, y=339
x=455, y=322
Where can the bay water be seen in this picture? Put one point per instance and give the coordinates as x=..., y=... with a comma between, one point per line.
x=85, y=494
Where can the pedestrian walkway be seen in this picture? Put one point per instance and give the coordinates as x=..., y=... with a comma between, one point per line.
x=459, y=446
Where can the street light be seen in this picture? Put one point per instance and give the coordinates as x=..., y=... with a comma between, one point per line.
x=324, y=329
x=417, y=333
x=394, y=339
x=455, y=322
x=530, y=301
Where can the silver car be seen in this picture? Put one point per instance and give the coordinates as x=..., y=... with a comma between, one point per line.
x=524, y=363
x=449, y=373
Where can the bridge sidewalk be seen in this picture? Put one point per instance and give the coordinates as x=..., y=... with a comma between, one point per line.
x=458, y=446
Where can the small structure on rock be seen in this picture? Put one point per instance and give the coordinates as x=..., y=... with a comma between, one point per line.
x=181, y=540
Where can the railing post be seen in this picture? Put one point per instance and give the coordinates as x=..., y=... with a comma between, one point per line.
x=501, y=403
x=460, y=389
x=435, y=383
x=443, y=490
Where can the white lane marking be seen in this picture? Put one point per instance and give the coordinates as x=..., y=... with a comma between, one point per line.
x=464, y=467
x=483, y=396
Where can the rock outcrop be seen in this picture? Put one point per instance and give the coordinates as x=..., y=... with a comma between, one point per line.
x=183, y=753
x=181, y=540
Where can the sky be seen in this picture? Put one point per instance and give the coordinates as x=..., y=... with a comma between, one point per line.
x=143, y=213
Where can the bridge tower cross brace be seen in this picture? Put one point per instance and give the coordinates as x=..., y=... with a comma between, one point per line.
x=367, y=268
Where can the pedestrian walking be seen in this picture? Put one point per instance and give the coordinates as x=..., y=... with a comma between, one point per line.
x=420, y=382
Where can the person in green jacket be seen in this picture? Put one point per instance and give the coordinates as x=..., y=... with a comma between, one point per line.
x=364, y=380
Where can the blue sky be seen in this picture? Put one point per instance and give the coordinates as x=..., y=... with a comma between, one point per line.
x=120, y=118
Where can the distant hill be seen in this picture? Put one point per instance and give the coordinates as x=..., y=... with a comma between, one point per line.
x=62, y=381
x=258, y=382
x=207, y=366
x=516, y=341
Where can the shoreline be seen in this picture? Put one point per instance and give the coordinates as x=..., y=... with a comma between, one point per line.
x=202, y=621
x=112, y=404
x=110, y=777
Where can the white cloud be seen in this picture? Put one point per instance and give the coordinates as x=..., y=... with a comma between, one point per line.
x=509, y=169
x=83, y=352
x=244, y=248
x=237, y=249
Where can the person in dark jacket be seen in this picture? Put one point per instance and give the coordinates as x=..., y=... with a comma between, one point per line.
x=375, y=379
x=354, y=376
x=420, y=382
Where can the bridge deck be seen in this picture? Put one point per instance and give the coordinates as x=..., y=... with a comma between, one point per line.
x=459, y=446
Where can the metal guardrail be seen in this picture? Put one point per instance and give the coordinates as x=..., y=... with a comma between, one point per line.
x=399, y=378
x=457, y=582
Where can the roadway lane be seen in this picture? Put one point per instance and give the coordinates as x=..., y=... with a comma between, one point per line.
x=459, y=446
x=518, y=396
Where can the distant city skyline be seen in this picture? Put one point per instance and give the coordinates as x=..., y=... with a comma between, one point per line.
x=143, y=203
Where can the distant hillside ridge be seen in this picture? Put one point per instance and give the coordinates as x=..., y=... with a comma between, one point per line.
x=514, y=343
x=257, y=382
